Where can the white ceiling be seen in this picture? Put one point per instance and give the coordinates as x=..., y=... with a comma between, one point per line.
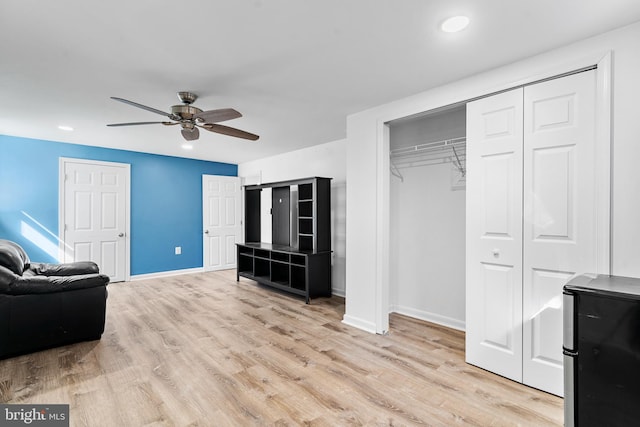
x=295, y=69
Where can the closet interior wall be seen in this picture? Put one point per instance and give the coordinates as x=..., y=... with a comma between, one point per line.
x=427, y=247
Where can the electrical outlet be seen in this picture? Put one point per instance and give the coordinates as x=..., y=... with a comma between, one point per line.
x=178, y=250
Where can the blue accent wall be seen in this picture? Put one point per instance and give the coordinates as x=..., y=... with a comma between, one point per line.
x=166, y=201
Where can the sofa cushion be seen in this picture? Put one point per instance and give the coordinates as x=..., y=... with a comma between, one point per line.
x=11, y=258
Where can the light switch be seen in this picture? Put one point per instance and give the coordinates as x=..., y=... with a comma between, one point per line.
x=178, y=250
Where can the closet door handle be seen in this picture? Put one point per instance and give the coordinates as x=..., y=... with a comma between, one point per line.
x=496, y=252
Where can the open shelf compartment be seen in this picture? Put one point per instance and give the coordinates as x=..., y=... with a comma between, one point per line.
x=280, y=273
x=298, y=277
x=305, y=191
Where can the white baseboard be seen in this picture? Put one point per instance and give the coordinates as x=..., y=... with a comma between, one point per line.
x=166, y=274
x=338, y=292
x=429, y=317
x=359, y=323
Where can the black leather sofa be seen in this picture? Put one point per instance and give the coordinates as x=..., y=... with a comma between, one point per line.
x=45, y=305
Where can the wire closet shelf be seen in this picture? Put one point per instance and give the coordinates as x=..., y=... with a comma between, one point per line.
x=430, y=153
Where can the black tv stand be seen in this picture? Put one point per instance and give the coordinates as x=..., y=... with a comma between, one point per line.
x=302, y=265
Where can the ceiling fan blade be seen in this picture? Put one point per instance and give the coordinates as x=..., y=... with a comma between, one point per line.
x=144, y=107
x=226, y=130
x=190, y=134
x=141, y=123
x=215, y=116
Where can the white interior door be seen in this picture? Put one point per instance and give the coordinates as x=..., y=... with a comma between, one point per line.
x=560, y=210
x=222, y=226
x=94, y=213
x=494, y=234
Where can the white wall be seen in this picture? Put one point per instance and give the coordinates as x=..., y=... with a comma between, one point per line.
x=367, y=170
x=428, y=246
x=325, y=160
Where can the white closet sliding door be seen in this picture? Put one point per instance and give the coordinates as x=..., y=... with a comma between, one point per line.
x=494, y=234
x=523, y=247
x=559, y=214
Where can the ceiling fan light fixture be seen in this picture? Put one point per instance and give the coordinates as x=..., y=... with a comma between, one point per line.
x=187, y=146
x=66, y=128
x=455, y=24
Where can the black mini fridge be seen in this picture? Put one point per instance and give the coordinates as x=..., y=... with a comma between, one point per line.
x=601, y=343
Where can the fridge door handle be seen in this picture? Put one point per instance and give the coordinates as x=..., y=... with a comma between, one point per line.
x=568, y=333
x=569, y=391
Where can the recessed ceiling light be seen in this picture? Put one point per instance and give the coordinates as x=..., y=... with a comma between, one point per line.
x=67, y=128
x=455, y=24
x=187, y=146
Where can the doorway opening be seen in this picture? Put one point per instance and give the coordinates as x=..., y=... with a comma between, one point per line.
x=427, y=216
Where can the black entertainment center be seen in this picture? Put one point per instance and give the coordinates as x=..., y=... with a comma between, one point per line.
x=298, y=260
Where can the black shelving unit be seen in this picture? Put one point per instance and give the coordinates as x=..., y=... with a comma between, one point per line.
x=302, y=267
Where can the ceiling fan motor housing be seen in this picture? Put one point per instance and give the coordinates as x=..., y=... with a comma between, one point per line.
x=186, y=112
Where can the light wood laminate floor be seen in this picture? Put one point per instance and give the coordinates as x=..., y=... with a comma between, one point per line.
x=204, y=350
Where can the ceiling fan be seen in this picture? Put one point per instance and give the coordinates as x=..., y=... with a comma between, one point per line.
x=191, y=118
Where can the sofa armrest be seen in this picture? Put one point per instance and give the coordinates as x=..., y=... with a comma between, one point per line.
x=7, y=277
x=11, y=257
x=28, y=285
x=68, y=269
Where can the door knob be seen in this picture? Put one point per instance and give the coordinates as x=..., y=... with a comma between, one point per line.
x=206, y=231
x=120, y=234
x=496, y=252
